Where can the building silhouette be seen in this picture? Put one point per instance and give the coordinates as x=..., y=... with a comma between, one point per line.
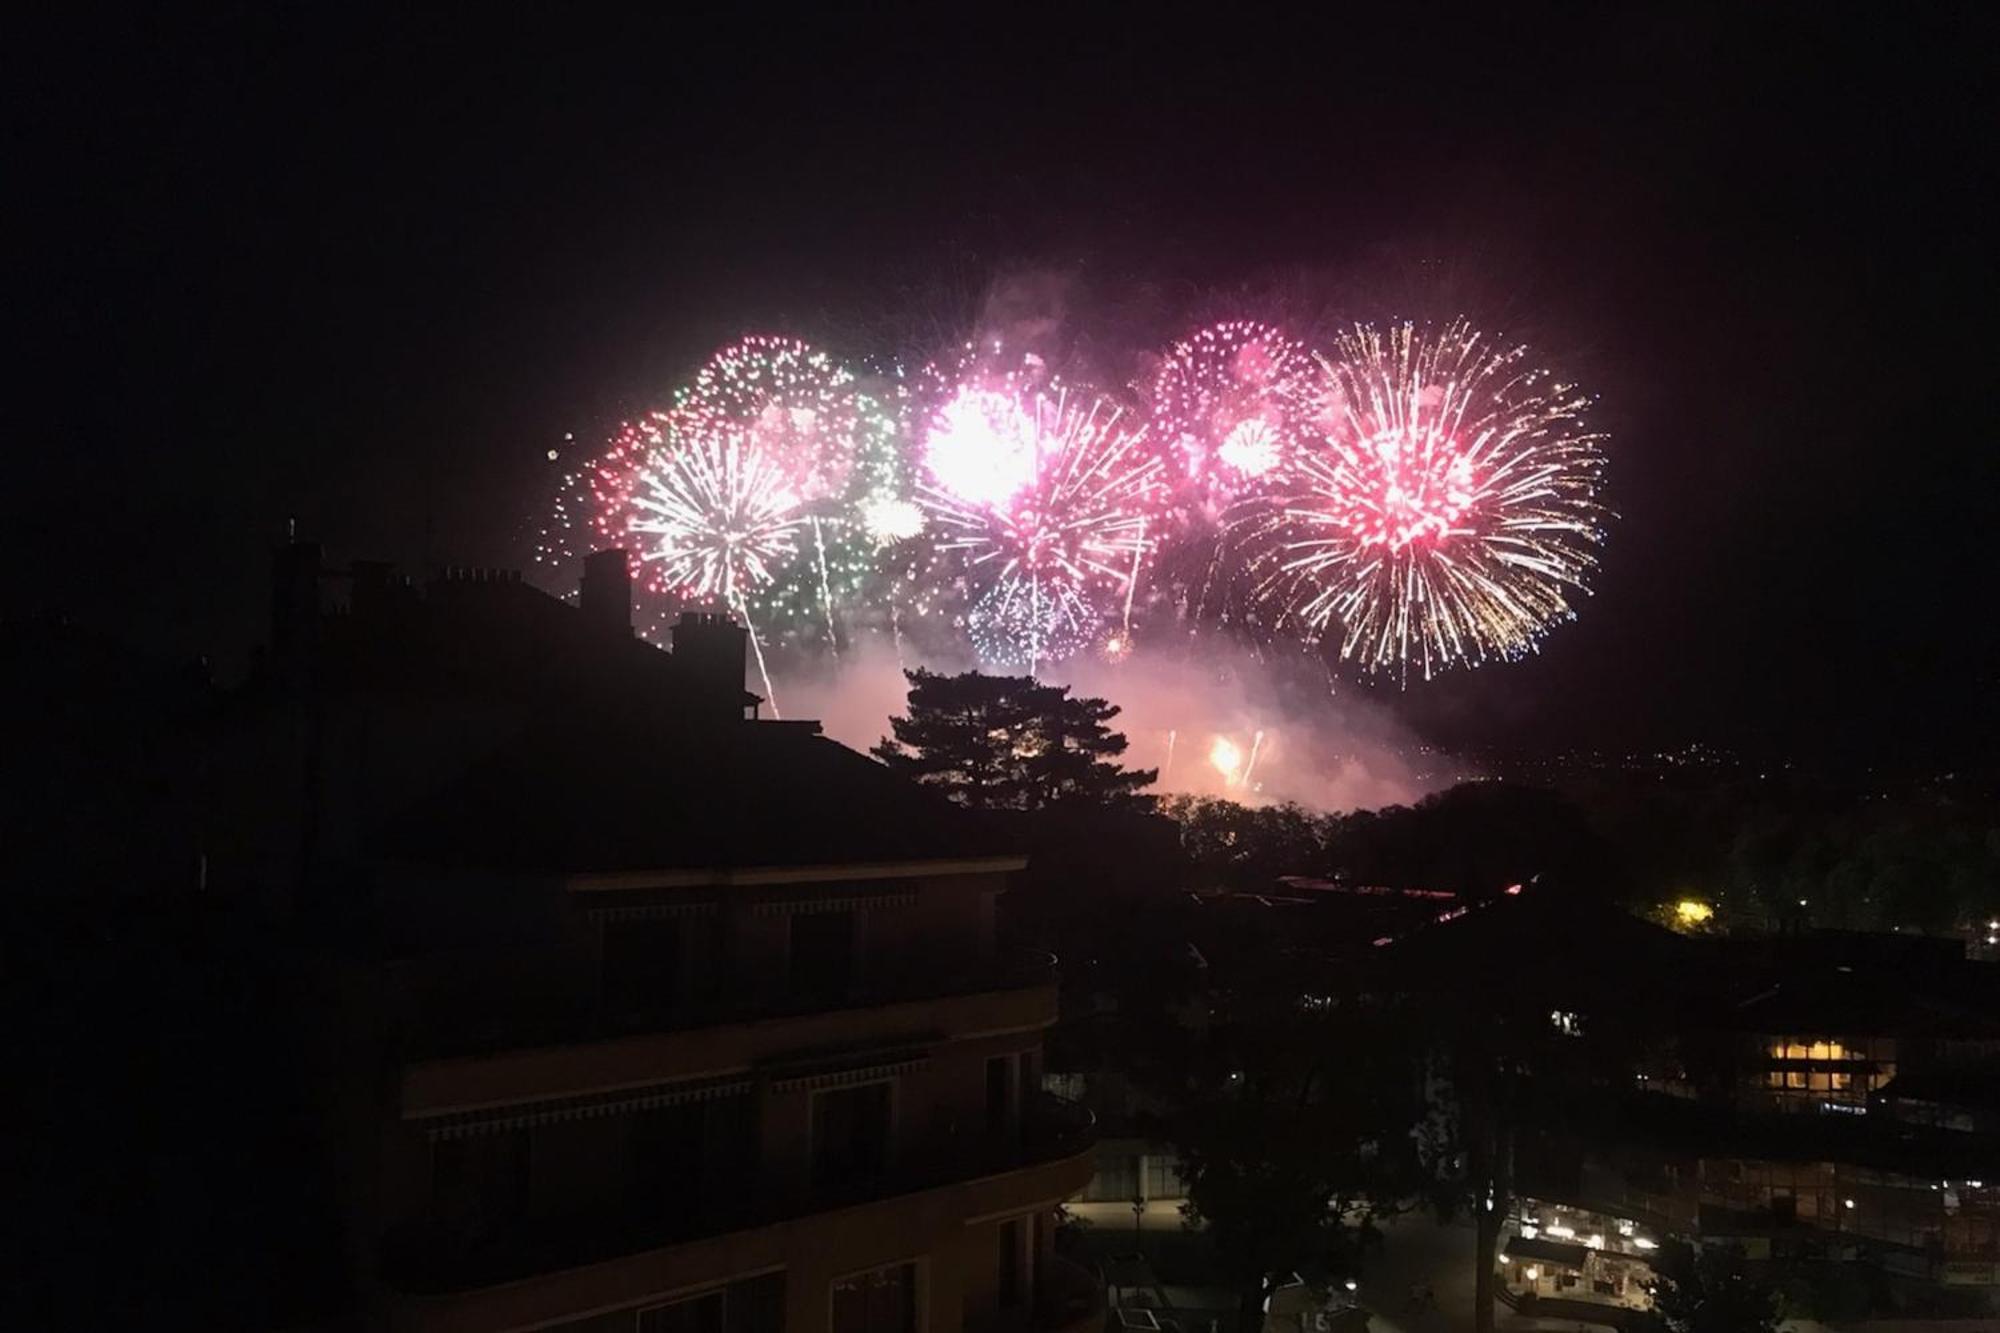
x=629, y=1009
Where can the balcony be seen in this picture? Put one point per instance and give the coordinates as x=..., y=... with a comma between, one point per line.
x=1011, y=994
x=1069, y=1299
x=499, y=1004
x=425, y=1261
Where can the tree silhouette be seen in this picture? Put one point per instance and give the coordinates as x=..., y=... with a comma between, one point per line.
x=1011, y=743
x=1293, y=1133
x=1708, y=1291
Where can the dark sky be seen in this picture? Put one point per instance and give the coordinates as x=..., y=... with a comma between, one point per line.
x=366, y=271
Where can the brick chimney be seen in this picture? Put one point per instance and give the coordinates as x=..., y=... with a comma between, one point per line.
x=605, y=594
x=709, y=650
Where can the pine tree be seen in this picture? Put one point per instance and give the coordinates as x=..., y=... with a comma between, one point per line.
x=1075, y=761
x=1010, y=742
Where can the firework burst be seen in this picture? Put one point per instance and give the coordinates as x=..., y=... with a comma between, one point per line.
x=1228, y=404
x=1042, y=500
x=1443, y=510
x=763, y=487
x=717, y=516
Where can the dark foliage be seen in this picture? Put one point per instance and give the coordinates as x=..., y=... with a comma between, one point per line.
x=1011, y=743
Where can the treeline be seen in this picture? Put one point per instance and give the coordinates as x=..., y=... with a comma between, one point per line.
x=1924, y=859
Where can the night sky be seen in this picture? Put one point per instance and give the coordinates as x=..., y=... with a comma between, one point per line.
x=367, y=272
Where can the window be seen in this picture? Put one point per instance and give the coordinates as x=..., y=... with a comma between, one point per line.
x=694, y=1151
x=822, y=953
x=1010, y=1264
x=480, y=1183
x=642, y=966
x=999, y=1093
x=754, y=1305
x=666, y=1154
x=1163, y=1178
x=850, y=1134
x=884, y=1301
x=695, y=1314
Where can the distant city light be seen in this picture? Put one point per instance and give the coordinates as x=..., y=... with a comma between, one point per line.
x=1693, y=912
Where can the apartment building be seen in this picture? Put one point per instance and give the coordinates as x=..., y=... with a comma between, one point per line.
x=648, y=1014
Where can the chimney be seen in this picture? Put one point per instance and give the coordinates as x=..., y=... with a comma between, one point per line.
x=709, y=650
x=605, y=594
x=295, y=573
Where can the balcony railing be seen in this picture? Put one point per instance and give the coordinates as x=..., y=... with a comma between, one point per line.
x=504, y=1009
x=1069, y=1298
x=434, y=1259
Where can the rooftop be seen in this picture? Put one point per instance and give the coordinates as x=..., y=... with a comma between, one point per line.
x=578, y=799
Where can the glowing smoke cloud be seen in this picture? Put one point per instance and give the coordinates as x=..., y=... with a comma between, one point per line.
x=1332, y=753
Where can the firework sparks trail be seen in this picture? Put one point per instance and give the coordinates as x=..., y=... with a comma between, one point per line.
x=1444, y=512
x=825, y=594
x=1250, y=764
x=757, y=651
x=1041, y=497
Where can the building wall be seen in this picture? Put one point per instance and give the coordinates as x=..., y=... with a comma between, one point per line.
x=951, y=1232
x=554, y=1137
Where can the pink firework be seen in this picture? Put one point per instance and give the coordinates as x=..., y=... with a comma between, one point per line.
x=1228, y=404
x=1443, y=511
x=981, y=447
x=784, y=400
x=1044, y=500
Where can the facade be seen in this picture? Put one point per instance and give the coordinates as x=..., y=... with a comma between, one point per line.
x=1821, y=1102
x=646, y=1014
